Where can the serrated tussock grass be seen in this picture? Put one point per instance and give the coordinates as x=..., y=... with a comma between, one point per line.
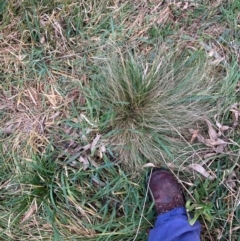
x=144, y=105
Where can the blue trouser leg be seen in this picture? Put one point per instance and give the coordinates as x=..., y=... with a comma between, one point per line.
x=174, y=226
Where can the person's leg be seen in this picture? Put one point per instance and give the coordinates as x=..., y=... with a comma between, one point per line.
x=172, y=221
x=174, y=226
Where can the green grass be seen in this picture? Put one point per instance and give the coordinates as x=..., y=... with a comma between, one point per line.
x=139, y=75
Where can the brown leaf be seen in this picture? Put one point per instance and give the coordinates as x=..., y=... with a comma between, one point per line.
x=172, y=166
x=102, y=150
x=218, y=145
x=86, y=147
x=236, y=228
x=211, y=53
x=7, y=130
x=98, y=182
x=95, y=141
x=219, y=142
x=235, y=118
x=218, y=124
x=31, y=210
x=211, y=132
x=202, y=171
x=43, y=40
x=224, y=128
x=230, y=180
x=195, y=134
x=148, y=165
x=54, y=115
x=220, y=148
x=185, y=6
x=84, y=161
x=84, y=79
x=93, y=163
x=235, y=113
x=213, y=143
x=209, y=155
x=221, y=128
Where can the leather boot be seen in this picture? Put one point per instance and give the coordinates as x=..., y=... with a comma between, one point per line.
x=165, y=191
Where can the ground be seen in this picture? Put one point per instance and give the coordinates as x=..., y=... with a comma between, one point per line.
x=93, y=94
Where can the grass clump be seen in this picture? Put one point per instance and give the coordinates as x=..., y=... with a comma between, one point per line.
x=144, y=106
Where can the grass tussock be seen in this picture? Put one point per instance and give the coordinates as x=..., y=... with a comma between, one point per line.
x=144, y=106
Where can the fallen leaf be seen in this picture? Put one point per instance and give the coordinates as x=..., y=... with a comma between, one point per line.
x=211, y=53
x=230, y=180
x=185, y=6
x=53, y=116
x=211, y=49
x=98, y=182
x=195, y=134
x=221, y=128
x=69, y=144
x=172, y=166
x=72, y=158
x=31, y=210
x=209, y=155
x=217, y=123
x=77, y=148
x=235, y=118
x=218, y=145
x=42, y=40
x=102, y=150
x=148, y=165
x=213, y=143
x=74, y=164
x=218, y=60
x=202, y=171
x=93, y=163
x=211, y=132
x=236, y=228
x=220, y=148
x=7, y=130
x=84, y=161
x=84, y=79
x=235, y=113
x=224, y=128
x=86, y=147
x=95, y=141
